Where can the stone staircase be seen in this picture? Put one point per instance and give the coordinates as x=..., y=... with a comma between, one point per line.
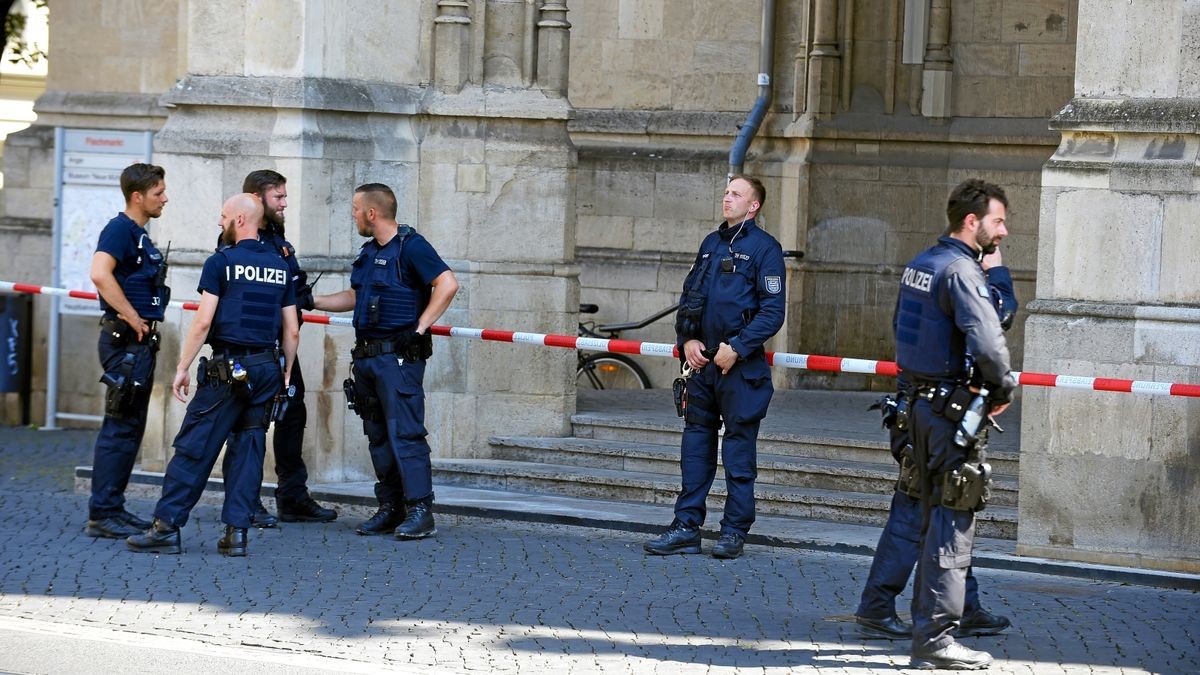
x=821, y=456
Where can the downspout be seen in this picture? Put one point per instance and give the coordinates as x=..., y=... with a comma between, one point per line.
x=766, y=60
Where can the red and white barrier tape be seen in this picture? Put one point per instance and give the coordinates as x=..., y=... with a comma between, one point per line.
x=831, y=364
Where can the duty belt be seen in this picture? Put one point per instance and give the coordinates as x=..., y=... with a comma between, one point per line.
x=122, y=332
x=248, y=356
x=412, y=347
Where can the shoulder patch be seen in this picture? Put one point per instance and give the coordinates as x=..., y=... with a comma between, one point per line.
x=773, y=284
x=983, y=291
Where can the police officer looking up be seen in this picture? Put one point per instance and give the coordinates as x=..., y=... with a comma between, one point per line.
x=246, y=302
x=944, y=310
x=896, y=552
x=399, y=287
x=130, y=273
x=733, y=301
x=291, y=493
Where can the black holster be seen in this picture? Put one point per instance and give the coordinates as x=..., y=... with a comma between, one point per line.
x=368, y=407
x=968, y=487
x=123, y=389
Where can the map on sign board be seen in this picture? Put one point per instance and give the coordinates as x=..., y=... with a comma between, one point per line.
x=90, y=183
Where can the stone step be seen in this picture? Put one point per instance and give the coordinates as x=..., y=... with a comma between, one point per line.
x=781, y=470
x=654, y=488
x=834, y=444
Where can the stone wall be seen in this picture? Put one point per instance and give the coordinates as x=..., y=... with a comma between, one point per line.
x=661, y=86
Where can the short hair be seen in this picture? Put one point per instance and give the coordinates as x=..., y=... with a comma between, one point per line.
x=139, y=178
x=257, y=182
x=380, y=196
x=755, y=183
x=972, y=196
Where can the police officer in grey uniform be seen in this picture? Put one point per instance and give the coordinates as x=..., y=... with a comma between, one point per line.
x=896, y=553
x=944, y=310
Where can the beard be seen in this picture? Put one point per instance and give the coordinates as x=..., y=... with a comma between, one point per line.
x=273, y=220
x=987, y=243
x=228, y=237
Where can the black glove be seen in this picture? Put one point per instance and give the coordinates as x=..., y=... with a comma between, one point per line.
x=304, y=298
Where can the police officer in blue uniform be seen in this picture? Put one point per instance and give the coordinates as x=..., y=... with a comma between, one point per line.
x=291, y=491
x=943, y=312
x=130, y=274
x=733, y=301
x=896, y=552
x=247, y=301
x=399, y=287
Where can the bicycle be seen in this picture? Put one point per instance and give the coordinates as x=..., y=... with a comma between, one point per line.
x=608, y=370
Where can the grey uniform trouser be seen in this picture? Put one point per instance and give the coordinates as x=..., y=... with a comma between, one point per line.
x=947, y=537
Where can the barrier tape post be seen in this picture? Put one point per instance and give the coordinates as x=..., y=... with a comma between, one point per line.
x=832, y=364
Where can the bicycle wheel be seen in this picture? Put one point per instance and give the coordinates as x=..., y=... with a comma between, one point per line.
x=611, y=371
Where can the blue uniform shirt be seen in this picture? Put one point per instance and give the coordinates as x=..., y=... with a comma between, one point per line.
x=253, y=283
x=137, y=263
x=392, y=284
x=742, y=278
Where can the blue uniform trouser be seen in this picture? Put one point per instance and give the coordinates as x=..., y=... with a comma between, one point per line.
x=946, y=539
x=740, y=399
x=895, y=556
x=215, y=414
x=287, y=444
x=399, y=451
x=120, y=435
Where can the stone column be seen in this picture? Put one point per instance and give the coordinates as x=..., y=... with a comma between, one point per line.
x=824, y=61
x=452, y=45
x=554, y=48
x=939, y=66
x=1109, y=477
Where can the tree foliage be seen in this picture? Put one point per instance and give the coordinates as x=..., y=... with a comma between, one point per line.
x=15, y=21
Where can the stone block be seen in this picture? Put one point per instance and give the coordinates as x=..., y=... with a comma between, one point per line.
x=1035, y=21
x=720, y=57
x=1128, y=50
x=209, y=51
x=845, y=239
x=1042, y=60
x=685, y=196
x=472, y=178
x=1130, y=238
x=659, y=234
x=988, y=20
x=997, y=60
x=27, y=202
x=728, y=91
x=623, y=193
x=1180, y=252
x=620, y=275
x=640, y=19
x=605, y=231
x=191, y=217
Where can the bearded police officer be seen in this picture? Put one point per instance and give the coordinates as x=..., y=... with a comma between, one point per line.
x=130, y=274
x=896, y=552
x=399, y=287
x=291, y=492
x=732, y=302
x=943, y=312
x=247, y=301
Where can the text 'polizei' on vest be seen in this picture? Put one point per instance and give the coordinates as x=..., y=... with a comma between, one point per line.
x=265, y=275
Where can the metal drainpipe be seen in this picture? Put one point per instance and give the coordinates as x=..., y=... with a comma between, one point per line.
x=766, y=60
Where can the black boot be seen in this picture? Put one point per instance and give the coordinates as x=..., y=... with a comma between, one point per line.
x=385, y=520
x=234, y=542
x=262, y=517
x=419, y=523
x=162, y=537
x=678, y=538
x=112, y=528
x=304, y=510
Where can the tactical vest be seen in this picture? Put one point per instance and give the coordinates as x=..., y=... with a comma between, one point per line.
x=928, y=344
x=385, y=301
x=252, y=291
x=143, y=287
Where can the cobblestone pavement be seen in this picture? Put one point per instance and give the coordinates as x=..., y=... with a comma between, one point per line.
x=489, y=596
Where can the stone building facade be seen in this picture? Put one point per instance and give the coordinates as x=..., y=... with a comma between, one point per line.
x=555, y=154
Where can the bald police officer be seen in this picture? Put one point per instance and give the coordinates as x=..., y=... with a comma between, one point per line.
x=247, y=301
x=130, y=274
x=944, y=310
x=399, y=287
